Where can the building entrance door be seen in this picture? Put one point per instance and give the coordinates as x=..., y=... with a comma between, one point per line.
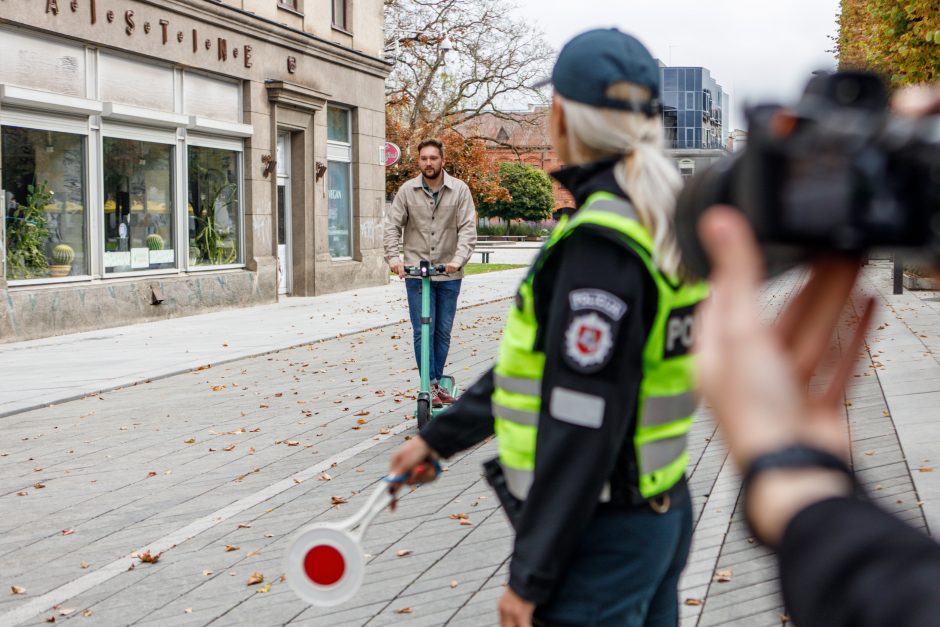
x=284, y=253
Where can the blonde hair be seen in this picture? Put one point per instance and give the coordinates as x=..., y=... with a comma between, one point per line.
x=647, y=176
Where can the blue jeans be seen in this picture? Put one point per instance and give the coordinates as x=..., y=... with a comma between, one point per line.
x=443, y=309
x=625, y=573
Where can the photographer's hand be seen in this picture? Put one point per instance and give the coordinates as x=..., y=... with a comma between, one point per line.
x=756, y=376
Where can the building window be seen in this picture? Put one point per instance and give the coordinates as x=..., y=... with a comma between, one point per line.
x=287, y=4
x=339, y=181
x=213, y=209
x=341, y=14
x=44, y=200
x=138, y=205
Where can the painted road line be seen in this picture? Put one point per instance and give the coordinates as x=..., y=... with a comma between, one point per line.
x=170, y=541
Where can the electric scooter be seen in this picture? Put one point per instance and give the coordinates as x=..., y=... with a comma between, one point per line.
x=425, y=410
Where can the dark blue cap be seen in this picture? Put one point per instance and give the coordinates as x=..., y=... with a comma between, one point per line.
x=593, y=61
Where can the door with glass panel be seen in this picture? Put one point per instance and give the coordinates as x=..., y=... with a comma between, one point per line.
x=283, y=214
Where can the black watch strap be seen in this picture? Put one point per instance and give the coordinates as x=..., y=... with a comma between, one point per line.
x=795, y=456
x=791, y=457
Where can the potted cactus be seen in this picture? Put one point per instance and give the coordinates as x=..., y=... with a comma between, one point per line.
x=62, y=257
x=154, y=241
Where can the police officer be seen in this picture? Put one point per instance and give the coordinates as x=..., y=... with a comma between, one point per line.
x=592, y=394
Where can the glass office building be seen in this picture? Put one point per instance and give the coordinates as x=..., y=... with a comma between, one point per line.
x=693, y=104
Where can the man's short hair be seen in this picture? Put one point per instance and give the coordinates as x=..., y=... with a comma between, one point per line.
x=432, y=142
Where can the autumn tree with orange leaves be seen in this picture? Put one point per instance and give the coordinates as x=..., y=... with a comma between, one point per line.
x=487, y=66
x=899, y=39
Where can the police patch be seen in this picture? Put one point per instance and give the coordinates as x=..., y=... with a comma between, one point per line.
x=588, y=342
x=599, y=300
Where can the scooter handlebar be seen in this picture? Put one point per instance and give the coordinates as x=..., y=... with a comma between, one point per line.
x=432, y=270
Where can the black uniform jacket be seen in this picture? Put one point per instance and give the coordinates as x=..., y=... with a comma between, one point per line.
x=847, y=563
x=595, y=303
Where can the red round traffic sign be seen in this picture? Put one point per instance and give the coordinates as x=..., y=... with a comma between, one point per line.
x=392, y=154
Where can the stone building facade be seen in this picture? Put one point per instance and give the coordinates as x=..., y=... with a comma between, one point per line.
x=170, y=157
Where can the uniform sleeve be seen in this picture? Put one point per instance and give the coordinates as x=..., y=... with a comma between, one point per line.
x=394, y=221
x=846, y=562
x=595, y=325
x=467, y=422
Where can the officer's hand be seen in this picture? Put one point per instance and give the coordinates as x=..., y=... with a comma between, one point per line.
x=514, y=611
x=412, y=458
x=451, y=268
x=399, y=269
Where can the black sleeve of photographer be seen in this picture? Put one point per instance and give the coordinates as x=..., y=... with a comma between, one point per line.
x=594, y=333
x=844, y=562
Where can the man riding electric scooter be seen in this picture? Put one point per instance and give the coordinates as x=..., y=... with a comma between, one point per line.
x=433, y=214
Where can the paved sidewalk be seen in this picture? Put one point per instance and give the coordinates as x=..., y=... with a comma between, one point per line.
x=215, y=469
x=51, y=370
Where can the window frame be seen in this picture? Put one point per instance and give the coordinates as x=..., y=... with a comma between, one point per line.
x=334, y=153
x=56, y=123
x=235, y=145
x=344, y=27
x=168, y=137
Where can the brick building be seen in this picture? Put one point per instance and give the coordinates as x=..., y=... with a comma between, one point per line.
x=522, y=136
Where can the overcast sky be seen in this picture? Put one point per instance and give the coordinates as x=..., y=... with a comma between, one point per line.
x=756, y=50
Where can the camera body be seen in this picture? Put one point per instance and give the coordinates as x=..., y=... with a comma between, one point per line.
x=836, y=173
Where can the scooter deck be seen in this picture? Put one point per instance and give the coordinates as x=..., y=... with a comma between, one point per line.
x=447, y=382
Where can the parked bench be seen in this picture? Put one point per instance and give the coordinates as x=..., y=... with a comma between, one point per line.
x=485, y=254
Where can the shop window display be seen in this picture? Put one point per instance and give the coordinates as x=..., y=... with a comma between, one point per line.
x=213, y=215
x=138, y=205
x=44, y=202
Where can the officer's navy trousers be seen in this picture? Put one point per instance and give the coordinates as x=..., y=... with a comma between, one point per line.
x=626, y=570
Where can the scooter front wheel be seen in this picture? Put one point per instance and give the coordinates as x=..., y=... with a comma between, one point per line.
x=424, y=412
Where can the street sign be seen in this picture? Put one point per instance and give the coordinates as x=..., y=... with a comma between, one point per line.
x=392, y=154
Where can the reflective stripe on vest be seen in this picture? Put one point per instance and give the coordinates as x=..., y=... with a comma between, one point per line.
x=667, y=399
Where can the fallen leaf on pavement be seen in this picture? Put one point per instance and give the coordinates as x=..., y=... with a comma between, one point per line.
x=265, y=588
x=18, y=589
x=251, y=451
x=23, y=493
x=926, y=469
x=229, y=548
x=51, y=619
x=147, y=558
x=337, y=500
x=722, y=576
x=325, y=477
x=404, y=552
x=269, y=535
x=293, y=443
x=68, y=532
x=87, y=613
x=84, y=564
x=188, y=610
x=361, y=413
x=65, y=611
x=454, y=584
x=403, y=610
x=255, y=578
x=244, y=526
x=230, y=447
x=152, y=473
x=693, y=601
x=40, y=486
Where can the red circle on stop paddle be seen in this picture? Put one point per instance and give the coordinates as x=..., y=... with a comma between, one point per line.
x=324, y=565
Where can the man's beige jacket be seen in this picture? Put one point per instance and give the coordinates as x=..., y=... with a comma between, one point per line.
x=442, y=234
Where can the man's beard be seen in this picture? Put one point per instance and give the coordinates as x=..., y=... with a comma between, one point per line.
x=434, y=173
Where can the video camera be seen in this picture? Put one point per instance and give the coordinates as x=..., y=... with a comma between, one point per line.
x=836, y=173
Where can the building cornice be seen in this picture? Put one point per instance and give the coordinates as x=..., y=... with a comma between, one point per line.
x=280, y=34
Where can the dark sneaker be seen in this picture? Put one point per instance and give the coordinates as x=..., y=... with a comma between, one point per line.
x=445, y=396
x=436, y=403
